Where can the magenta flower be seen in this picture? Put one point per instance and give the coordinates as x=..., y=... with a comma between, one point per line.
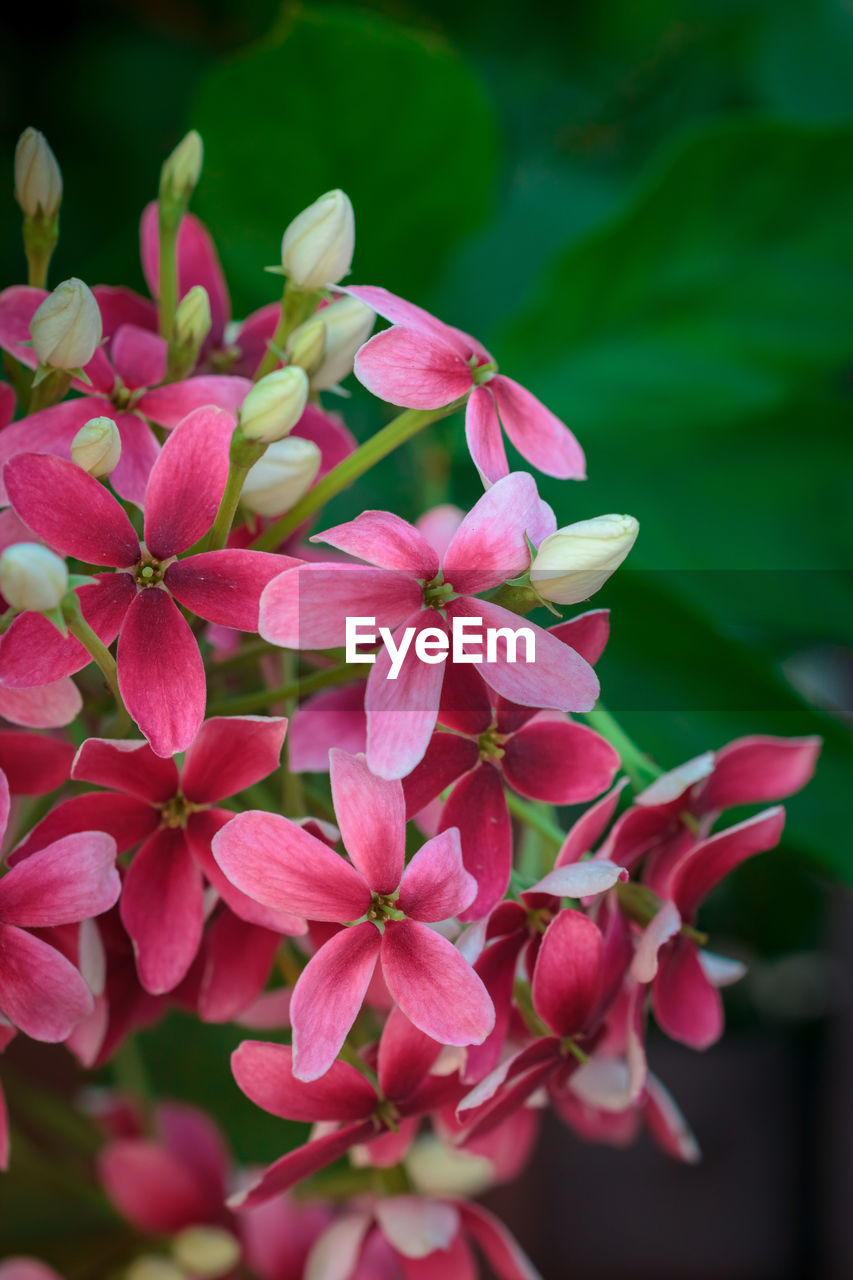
x=123, y=385
x=162, y=901
x=27, y=1269
x=384, y=1117
x=279, y=864
x=410, y=587
x=421, y=363
x=160, y=671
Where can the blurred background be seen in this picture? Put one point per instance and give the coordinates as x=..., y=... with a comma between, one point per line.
x=645, y=210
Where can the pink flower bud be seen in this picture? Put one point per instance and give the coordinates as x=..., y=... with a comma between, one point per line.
x=317, y=247
x=31, y=577
x=38, y=181
x=97, y=447
x=285, y=472
x=574, y=562
x=66, y=329
x=274, y=405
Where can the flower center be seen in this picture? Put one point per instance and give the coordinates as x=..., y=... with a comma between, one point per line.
x=482, y=372
x=387, y=1115
x=176, y=812
x=149, y=572
x=438, y=593
x=383, y=907
x=491, y=744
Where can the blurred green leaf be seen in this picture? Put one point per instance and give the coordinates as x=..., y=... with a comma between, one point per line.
x=344, y=99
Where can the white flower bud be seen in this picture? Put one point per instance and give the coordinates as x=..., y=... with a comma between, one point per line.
x=279, y=479
x=150, y=1267
x=31, y=577
x=274, y=405
x=66, y=329
x=574, y=562
x=97, y=447
x=206, y=1252
x=348, y=323
x=182, y=169
x=438, y=1170
x=192, y=317
x=38, y=181
x=317, y=247
x=307, y=344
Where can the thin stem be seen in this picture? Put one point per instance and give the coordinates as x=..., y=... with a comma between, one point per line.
x=640, y=768
x=101, y=656
x=40, y=236
x=168, y=300
x=218, y=535
x=50, y=390
x=296, y=306
x=402, y=428
x=293, y=803
x=535, y=818
x=293, y=689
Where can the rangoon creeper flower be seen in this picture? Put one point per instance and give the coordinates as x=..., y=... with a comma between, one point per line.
x=422, y=363
x=160, y=671
x=38, y=181
x=66, y=329
x=27, y=1269
x=97, y=447
x=274, y=405
x=279, y=479
x=277, y=863
x=573, y=563
x=32, y=577
x=318, y=245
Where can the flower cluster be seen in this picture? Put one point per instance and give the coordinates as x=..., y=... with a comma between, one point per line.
x=438, y=963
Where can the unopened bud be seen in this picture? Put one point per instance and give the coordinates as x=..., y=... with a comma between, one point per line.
x=317, y=247
x=348, y=323
x=150, y=1267
x=192, y=318
x=97, y=447
x=38, y=181
x=281, y=477
x=274, y=405
x=207, y=1252
x=66, y=329
x=574, y=562
x=438, y=1170
x=307, y=344
x=32, y=577
x=182, y=170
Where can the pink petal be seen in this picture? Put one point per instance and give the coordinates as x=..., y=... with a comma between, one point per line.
x=328, y=995
x=435, y=884
x=559, y=679
x=139, y=452
x=150, y=1186
x=301, y=1163
x=33, y=653
x=561, y=763
x=483, y=434
x=401, y=713
x=225, y=587
x=477, y=806
x=329, y=433
x=399, y=311
x=105, y=603
x=333, y=718
x=34, y=765
x=264, y=1072
x=712, y=859
x=587, y=634
x=538, y=435
x=125, y=818
x=71, y=880
x=18, y=305
x=307, y=608
x=119, y=306
x=45, y=707
x=198, y=263
x=8, y=401
x=384, y=540
x=416, y=1226
x=687, y=1007
x=231, y=753
x=139, y=356
x=275, y=861
x=372, y=818
x=757, y=769
x=238, y=958
x=668, y=1126
x=590, y=827
x=187, y=482
x=48, y=431
x=567, y=977
x=160, y=672
x=456, y=1262
x=466, y=700
x=130, y=766
x=435, y=988
x=41, y=992
x=67, y=507
x=412, y=369
x=581, y=879
x=502, y=1252
x=490, y=544
x=21, y=1268
x=405, y=1056
x=192, y=1136
x=170, y=404
x=162, y=909
x=447, y=758
x=496, y=966
x=663, y=926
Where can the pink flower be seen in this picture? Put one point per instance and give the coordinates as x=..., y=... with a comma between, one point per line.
x=422, y=363
x=277, y=863
x=124, y=386
x=27, y=1269
x=162, y=901
x=409, y=587
x=160, y=671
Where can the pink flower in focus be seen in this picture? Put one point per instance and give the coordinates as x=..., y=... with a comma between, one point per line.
x=410, y=587
x=160, y=671
x=277, y=863
x=422, y=363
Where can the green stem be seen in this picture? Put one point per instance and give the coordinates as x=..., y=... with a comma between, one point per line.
x=296, y=306
x=100, y=654
x=293, y=803
x=169, y=222
x=293, y=689
x=40, y=237
x=218, y=535
x=640, y=768
x=535, y=818
x=402, y=428
x=50, y=390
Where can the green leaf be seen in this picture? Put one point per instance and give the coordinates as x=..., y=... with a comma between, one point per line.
x=344, y=99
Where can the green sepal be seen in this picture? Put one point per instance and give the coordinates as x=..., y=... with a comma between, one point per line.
x=76, y=580
x=42, y=371
x=56, y=619
x=276, y=271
